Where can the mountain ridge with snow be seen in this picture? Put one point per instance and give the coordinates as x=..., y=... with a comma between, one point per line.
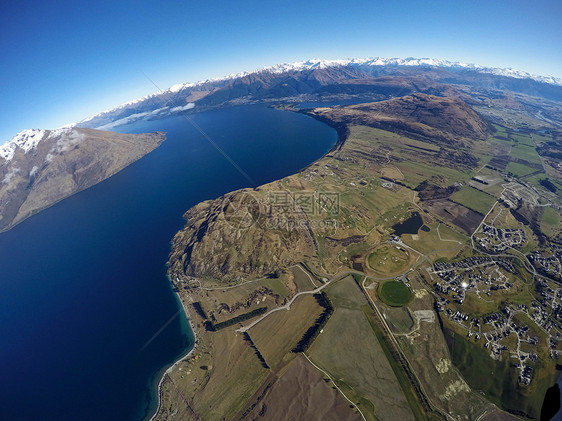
x=28, y=139
x=322, y=63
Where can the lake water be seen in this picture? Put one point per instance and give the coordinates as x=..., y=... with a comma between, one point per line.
x=83, y=286
x=410, y=225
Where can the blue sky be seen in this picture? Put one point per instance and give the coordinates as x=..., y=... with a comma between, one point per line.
x=63, y=61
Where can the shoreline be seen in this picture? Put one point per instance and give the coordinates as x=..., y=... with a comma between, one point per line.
x=179, y=359
x=342, y=133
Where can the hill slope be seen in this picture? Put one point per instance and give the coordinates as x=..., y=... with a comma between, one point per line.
x=431, y=118
x=41, y=167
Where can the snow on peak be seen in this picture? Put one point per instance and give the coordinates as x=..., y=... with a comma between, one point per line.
x=312, y=64
x=26, y=140
x=409, y=61
x=29, y=139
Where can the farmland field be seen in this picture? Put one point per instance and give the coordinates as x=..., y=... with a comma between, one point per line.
x=350, y=352
x=394, y=293
x=519, y=170
x=289, y=327
x=474, y=199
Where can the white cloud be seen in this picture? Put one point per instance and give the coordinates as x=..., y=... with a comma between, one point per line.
x=183, y=108
x=8, y=177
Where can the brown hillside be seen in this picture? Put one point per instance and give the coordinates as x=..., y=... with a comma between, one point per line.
x=432, y=118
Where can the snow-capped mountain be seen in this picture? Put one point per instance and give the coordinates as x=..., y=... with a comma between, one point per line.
x=41, y=167
x=419, y=62
x=26, y=140
x=305, y=77
x=315, y=78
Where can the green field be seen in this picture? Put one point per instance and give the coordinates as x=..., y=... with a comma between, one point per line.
x=528, y=153
x=519, y=170
x=350, y=352
x=416, y=172
x=550, y=216
x=523, y=139
x=550, y=221
x=394, y=293
x=494, y=378
x=474, y=199
x=429, y=243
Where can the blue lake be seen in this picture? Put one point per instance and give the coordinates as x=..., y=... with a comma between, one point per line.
x=83, y=286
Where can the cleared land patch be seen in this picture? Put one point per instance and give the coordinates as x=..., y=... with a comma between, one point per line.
x=394, y=293
x=280, y=332
x=461, y=216
x=474, y=199
x=301, y=393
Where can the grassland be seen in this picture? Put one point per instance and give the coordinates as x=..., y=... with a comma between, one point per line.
x=214, y=382
x=388, y=259
x=519, y=170
x=527, y=153
x=398, y=319
x=439, y=241
x=394, y=293
x=289, y=327
x=350, y=352
x=416, y=172
x=474, y=199
x=303, y=281
x=550, y=221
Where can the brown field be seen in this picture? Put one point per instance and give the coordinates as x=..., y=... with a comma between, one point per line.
x=301, y=393
x=289, y=327
x=216, y=382
x=456, y=214
x=302, y=279
x=390, y=171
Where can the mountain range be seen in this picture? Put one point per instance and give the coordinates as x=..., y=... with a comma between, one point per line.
x=372, y=79
x=40, y=167
x=320, y=80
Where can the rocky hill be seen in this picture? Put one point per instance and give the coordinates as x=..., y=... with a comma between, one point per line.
x=427, y=117
x=239, y=236
x=41, y=167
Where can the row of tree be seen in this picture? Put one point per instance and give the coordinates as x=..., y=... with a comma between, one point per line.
x=313, y=331
x=213, y=327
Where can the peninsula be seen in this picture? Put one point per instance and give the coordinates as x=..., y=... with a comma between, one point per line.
x=41, y=167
